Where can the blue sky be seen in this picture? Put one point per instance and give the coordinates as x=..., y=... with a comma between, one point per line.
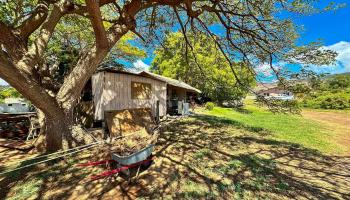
x=333, y=28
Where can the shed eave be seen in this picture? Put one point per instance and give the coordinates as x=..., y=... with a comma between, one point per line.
x=170, y=81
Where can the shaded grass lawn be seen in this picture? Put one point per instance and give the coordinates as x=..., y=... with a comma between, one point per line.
x=201, y=157
x=283, y=127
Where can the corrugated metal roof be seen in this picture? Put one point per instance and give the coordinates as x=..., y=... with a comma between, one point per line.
x=119, y=71
x=169, y=81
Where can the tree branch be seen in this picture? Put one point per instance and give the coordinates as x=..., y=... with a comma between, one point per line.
x=35, y=20
x=37, y=49
x=97, y=23
x=82, y=10
x=12, y=44
x=30, y=89
x=85, y=68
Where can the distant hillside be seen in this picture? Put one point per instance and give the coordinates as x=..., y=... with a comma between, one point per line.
x=342, y=74
x=346, y=73
x=265, y=86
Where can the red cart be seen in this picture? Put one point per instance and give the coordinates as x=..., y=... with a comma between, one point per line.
x=126, y=166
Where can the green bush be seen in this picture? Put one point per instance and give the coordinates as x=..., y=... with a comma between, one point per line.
x=334, y=93
x=328, y=100
x=9, y=92
x=340, y=81
x=209, y=106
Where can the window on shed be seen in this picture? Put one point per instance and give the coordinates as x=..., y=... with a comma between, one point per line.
x=141, y=90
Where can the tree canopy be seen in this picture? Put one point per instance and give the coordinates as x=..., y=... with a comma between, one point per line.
x=248, y=32
x=8, y=92
x=205, y=67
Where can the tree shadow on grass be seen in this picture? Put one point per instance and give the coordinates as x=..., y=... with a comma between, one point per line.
x=8, y=180
x=206, y=157
x=32, y=174
x=243, y=110
x=258, y=165
x=211, y=121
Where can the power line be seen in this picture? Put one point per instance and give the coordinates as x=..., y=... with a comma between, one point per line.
x=54, y=153
x=67, y=154
x=80, y=148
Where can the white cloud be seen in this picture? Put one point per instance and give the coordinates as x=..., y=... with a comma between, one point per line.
x=139, y=66
x=341, y=65
x=2, y=82
x=265, y=69
x=342, y=60
x=343, y=50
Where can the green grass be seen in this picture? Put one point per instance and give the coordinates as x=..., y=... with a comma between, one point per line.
x=202, y=153
x=283, y=127
x=29, y=189
x=192, y=190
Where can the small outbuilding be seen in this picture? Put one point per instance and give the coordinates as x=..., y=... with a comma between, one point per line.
x=111, y=90
x=14, y=105
x=276, y=93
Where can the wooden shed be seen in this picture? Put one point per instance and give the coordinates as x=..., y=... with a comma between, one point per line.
x=111, y=89
x=178, y=93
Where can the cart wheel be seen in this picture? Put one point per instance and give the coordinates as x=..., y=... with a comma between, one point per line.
x=113, y=178
x=134, y=171
x=112, y=165
x=110, y=179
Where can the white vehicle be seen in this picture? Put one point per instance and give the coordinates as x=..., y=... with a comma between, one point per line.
x=14, y=105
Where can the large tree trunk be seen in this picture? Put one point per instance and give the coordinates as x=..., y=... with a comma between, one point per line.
x=21, y=69
x=58, y=130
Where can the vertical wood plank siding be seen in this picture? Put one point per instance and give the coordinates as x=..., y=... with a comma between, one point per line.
x=112, y=91
x=97, y=89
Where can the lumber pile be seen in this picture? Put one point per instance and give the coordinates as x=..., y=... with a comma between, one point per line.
x=131, y=130
x=124, y=122
x=14, y=126
x=128, y=144
x=133, y=143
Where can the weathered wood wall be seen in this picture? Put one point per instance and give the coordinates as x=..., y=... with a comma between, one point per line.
x=97, y=90
x=112, y=91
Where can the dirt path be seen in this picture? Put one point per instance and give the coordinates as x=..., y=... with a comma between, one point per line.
x=337, y=122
